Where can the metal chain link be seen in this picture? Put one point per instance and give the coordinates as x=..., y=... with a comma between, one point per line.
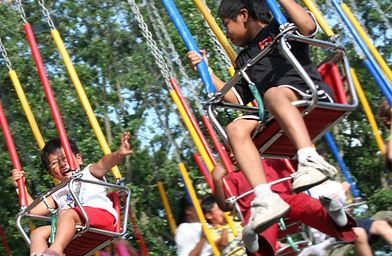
x=46, y=13
x=4, y=53
x=176, y=56
x=150, y=41
x=21, y=10
x=218, y=46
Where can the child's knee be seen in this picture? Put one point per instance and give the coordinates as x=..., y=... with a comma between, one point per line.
x=40, y=233
x=240, y=129
x=379, y=227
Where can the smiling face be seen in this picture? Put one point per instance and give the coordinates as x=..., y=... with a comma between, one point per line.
x=216, y=216
x=59, y=167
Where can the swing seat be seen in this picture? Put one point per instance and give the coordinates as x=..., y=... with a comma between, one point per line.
x=272, y=142
x=87, y=240
x=91, y=241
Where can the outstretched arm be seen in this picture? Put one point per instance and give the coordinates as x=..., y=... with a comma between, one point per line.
x=304, y=22
x=194, y=59
x=100, y=168
x=218, y=173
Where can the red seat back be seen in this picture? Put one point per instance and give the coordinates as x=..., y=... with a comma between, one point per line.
x=90, y=240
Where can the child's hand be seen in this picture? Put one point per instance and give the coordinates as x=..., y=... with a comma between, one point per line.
x=195, y=58
x=17, y=175
x=219, y=172
x=124, y=149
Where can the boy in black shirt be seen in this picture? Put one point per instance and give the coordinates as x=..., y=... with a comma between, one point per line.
x=248, y=23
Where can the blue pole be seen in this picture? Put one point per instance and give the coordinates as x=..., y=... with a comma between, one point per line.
x=379, y=81
x=276, y=11
x=343, y=167
x=189, y=42
x=363, y=46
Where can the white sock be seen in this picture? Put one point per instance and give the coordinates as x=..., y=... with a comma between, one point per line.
x=262, y=190
x=303, y=153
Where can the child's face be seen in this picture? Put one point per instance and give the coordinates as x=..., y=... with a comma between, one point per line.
x=59, y=167
x=217, y=216
x=235, y=31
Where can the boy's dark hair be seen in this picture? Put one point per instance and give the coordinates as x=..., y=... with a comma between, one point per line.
x=207, y=204
x=384, y=112
x=185, y=204
x=258, y=10
x=52, y=146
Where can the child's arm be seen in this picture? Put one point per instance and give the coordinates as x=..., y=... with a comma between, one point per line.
x=41, y=208
x=304, y=22
x=194, y=59
x=218, y=173
x=223, y=241
x=100, y=168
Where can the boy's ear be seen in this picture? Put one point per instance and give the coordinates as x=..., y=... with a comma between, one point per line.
x=243, y=15
x=208, y=216
x=79, y=158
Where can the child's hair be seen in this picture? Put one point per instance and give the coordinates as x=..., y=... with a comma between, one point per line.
x=184, y=205
x=384, y=112
x=258, y=10
x=207, y=204
x=52, y=146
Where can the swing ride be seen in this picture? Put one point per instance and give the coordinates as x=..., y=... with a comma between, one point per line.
x=320, y=117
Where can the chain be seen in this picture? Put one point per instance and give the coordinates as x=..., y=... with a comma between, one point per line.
x=21, y=10
x=4, y=53
x=218, y=46
x=150, y=41
x=46, y=14
x=176, y=56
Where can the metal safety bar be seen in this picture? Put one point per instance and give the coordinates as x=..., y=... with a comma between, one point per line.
x=25, y=213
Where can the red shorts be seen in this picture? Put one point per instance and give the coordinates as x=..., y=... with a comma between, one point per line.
x=99, y=218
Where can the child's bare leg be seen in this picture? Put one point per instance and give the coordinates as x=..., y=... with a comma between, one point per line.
x=312, y=168
x=278, y=102
x=245, y=152
x=66, y=222
x=39, y=239
x=267, y=207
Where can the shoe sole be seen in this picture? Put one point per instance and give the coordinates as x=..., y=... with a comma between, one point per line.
x=266, y=224
x=308, y=186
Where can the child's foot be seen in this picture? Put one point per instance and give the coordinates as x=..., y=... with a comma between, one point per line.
x=266, y=211
x=251, y=239
x=312, y=171
x=47, y=252
x=335, y=210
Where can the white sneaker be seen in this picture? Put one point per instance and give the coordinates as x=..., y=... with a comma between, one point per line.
x=267, y=211
x=312, y=171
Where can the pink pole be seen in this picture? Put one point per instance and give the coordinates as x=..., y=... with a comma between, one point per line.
x=14, y=157
x=50, y=96
x=204, y=171
x=193, y=120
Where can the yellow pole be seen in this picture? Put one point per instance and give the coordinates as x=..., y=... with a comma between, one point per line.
x=369, y=44
x=197, y=207
x=216, y=29
x=368, y=111
x=192, y=131
x=167, y=207
x=27, y=109
x=84, y=99
x=29, y=113
x=319, y=17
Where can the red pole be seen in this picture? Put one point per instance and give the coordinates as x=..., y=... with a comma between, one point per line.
x=50, y=96
x=142, y=245
x=289, y=165
x=14, y=157
x=219, y=147
x=204, y=171
x=193, y=120
x=4, y=240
